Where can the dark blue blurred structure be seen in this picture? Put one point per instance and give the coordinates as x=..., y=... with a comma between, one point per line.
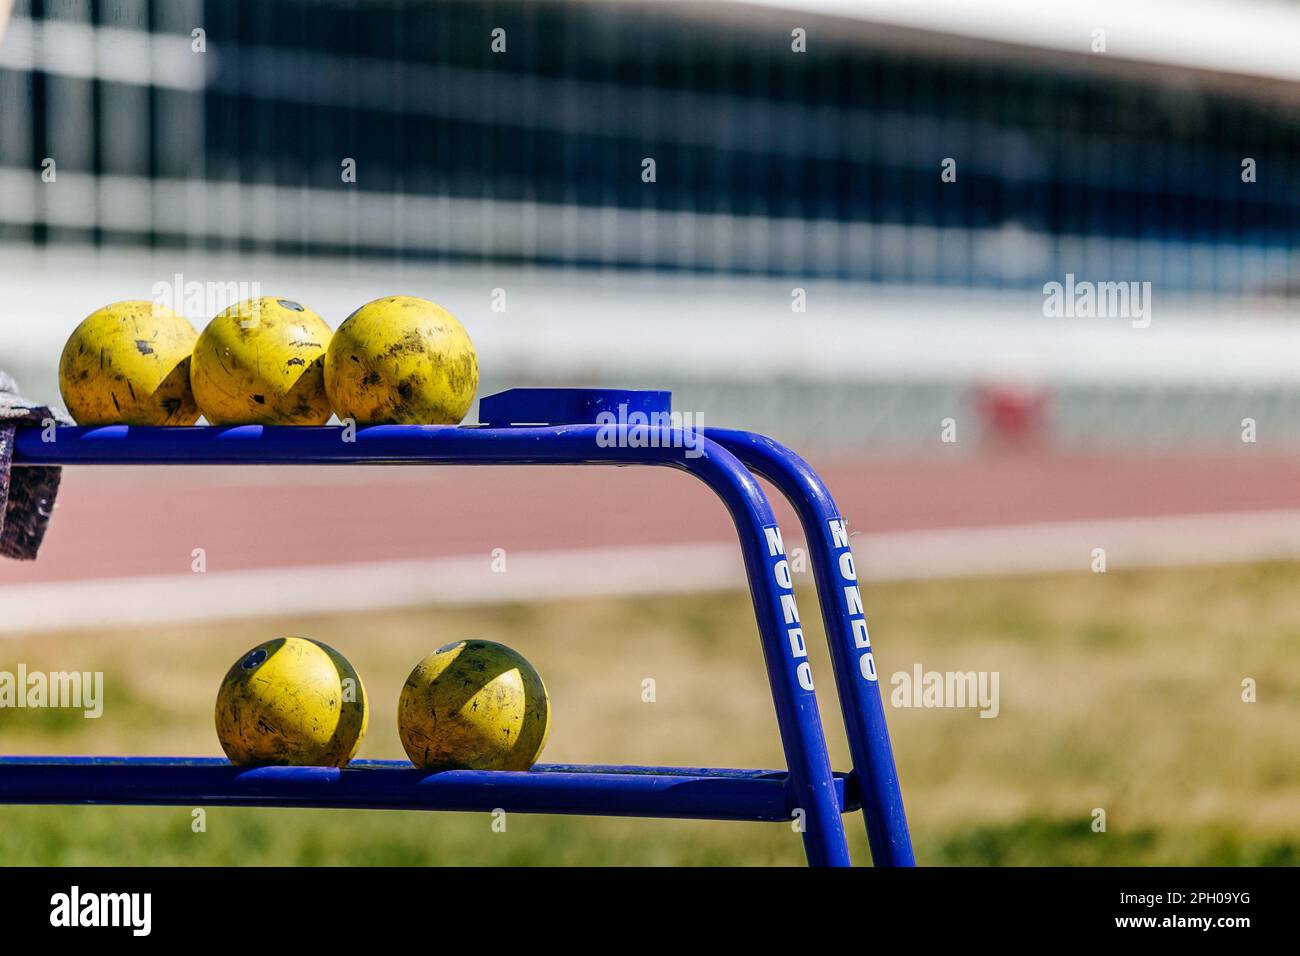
x=825, y=163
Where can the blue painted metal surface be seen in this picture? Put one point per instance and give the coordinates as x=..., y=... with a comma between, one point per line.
x=572, y=406
x=858, y=688
x=809, y=786
x=667, y=792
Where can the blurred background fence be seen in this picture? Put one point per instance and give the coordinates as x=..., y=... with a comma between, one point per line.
x=797, y=158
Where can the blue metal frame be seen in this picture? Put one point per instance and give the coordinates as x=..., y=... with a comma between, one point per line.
x=852, y=660
x=808, y=786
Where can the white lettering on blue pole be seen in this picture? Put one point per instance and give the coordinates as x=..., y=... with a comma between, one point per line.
x=789, y=609
x=853, y=597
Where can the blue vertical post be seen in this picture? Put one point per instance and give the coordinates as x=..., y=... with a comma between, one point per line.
x=786, y=656
x=846, y=629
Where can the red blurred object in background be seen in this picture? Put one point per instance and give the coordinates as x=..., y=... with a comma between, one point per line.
x=1013, y=416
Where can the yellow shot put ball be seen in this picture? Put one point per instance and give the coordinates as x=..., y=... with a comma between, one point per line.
x=401, y=361
x=129, y=364
x=261, y=362
x=474, y=705
x=292, y=701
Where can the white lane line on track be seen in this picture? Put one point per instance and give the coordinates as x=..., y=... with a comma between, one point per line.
x=617, y=572
x=336, y=588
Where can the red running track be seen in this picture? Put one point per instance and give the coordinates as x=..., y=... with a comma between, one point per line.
x=122, y=522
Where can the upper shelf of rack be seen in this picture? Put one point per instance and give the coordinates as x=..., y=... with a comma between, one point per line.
x=520, y=425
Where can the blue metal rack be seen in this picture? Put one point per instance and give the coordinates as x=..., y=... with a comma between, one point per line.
x=591, y=427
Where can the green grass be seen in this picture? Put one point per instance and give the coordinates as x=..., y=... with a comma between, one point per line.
x=1119, y=691
x=139, y=836
x=1037, y=842
x=244, y=836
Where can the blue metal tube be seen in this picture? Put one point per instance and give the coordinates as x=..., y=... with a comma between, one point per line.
x=811, y=780
x=846, y=629
x=666, y=792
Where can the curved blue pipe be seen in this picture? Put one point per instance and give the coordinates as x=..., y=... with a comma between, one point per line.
x=846, y=629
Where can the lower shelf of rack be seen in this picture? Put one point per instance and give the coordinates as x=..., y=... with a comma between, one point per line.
x=593, y=790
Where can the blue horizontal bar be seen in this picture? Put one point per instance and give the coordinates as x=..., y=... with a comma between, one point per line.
x=666, y=792
x=332, y=444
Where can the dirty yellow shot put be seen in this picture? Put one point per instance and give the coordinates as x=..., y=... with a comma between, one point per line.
x=261, y=362
x=474, y=705
x=129, y=364
x=292, y=701
x=401, y=360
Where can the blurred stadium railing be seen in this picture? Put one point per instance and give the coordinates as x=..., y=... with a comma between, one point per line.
x=522, y=170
